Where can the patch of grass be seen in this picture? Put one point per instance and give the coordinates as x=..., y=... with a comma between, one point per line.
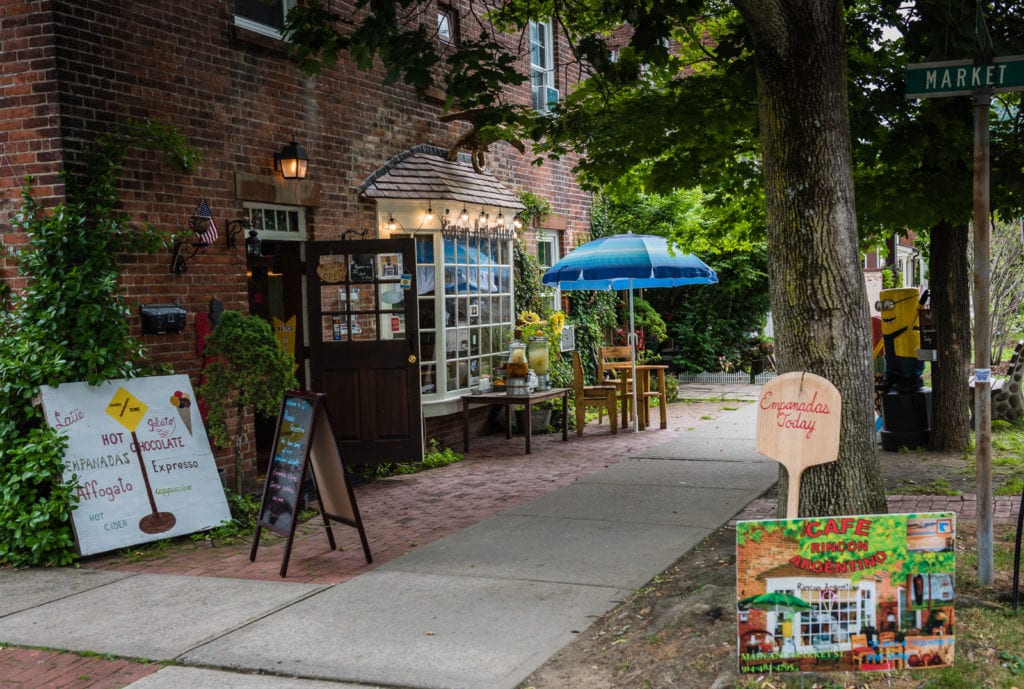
x=147, y=551
x=1012, y=487
x=244, y=513
x=1007, y=455
x=435, y=456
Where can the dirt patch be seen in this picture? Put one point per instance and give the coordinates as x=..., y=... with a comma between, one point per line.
x=921, y=471
x=679, y=631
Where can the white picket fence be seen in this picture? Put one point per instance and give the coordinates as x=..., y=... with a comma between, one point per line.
x=725, y=378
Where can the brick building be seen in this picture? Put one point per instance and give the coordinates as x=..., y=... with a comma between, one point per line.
x=379, y=197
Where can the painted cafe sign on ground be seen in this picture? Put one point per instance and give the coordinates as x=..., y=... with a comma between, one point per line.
x=870, y=592
x=142, y=459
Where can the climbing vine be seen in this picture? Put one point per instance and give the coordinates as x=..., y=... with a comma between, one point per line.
x=68, y=324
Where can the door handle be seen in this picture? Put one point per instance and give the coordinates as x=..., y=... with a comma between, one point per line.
x=412, y=358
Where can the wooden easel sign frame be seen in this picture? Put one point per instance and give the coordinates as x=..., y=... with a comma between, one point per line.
x=303, y=442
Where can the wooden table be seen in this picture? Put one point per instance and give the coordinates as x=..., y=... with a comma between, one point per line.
x=643, y=392
x=527, y=401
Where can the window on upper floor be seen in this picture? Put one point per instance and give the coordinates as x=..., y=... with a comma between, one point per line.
x=447, y=24
x=263, y=16
x=542, y=66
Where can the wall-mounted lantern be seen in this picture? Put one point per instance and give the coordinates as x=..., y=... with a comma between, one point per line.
x=292, y=161
x=253, y=244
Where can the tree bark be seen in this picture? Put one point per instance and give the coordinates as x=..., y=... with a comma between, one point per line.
x=949, y=282
x=817, y=287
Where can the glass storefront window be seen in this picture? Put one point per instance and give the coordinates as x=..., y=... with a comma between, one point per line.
x=466, y=323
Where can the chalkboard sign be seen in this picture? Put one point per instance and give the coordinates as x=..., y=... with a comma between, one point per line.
x=287, y=465
x=304, y=441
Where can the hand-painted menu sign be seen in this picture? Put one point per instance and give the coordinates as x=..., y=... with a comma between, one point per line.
x=798, y=418
x=305, y=441
x=144, y=471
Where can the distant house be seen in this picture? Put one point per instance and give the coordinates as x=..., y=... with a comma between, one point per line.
x=898, y=255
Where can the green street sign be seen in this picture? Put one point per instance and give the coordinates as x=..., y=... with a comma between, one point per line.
x=962, y=77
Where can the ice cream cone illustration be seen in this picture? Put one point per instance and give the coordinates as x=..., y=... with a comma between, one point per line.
x=181, y=401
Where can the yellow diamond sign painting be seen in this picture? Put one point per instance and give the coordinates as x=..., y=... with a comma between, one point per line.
x=126, y=409
x=142, y=465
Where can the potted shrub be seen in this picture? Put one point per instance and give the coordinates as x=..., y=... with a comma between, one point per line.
x=248, y=368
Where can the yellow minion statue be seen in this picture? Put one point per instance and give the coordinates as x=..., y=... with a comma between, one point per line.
x=900, y=333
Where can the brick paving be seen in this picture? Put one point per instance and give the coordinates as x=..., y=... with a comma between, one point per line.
x=1004, y=508
x=401, y=513
x=29, y=668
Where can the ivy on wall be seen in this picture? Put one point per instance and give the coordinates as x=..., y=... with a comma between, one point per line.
x=67, y=325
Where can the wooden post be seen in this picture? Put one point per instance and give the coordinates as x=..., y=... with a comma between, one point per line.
x=982, y=338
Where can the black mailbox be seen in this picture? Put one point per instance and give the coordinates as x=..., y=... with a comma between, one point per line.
x=162, y=318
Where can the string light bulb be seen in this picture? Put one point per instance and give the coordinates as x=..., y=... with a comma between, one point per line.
x=391, y=223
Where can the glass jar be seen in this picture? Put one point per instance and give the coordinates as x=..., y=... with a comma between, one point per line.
x=517, y=366
x=537, y=355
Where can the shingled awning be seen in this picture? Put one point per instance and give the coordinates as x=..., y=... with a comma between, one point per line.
x=423, y=173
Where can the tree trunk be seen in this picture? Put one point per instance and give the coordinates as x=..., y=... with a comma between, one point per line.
x=817, y=289
x=949, y=282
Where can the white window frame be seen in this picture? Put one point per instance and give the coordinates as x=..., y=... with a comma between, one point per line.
x=446, y=15
x=265, y=29
x=292, y=235
x=860, y=599
x=542, y=70
x=549, y=238
x=493, y=334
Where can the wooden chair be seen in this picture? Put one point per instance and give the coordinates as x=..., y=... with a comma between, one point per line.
x=619, y=376
x=859, y=649
x=600, y=396
x=890, y=650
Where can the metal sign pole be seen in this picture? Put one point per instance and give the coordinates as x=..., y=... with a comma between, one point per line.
x=981, y=78
x=982, y=337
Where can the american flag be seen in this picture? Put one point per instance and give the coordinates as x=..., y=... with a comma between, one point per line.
x=209, y=235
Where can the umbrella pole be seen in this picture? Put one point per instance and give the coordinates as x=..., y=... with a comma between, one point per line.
x=632, y=343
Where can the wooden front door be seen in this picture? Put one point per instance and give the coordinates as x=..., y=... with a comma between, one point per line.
x=364, y=346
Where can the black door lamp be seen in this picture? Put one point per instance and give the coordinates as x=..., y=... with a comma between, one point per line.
x=292, y=161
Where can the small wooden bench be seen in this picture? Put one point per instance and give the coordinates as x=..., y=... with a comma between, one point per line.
x=1007, y=395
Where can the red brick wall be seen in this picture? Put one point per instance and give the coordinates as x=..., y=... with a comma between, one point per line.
x=73, y=68
x=30, y=137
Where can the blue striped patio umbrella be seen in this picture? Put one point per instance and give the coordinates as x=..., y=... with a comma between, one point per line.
x=627, y=262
